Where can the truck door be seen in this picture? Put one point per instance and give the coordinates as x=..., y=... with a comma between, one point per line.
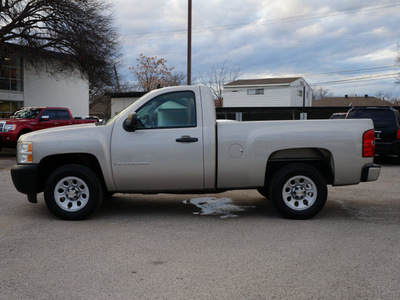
x=166, y=151
x=62, y=117
x=46, y=119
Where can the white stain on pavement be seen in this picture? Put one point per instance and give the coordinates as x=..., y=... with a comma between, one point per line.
x=223, y=207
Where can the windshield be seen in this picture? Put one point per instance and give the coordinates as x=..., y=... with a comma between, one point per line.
x=26, y=113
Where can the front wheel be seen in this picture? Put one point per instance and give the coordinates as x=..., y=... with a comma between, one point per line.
x=263, y=192
x=298, y=191
x=73, y=192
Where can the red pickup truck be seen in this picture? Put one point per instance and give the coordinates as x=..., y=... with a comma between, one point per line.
x=29, y=119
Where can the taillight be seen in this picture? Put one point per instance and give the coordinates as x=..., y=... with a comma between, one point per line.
x=368, y=143
x=398, y=134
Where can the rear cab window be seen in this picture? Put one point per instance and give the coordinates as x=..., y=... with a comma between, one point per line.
x=379, y=117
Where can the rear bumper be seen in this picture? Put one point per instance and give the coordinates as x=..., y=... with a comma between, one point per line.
x=387, y=148
x=370, y=172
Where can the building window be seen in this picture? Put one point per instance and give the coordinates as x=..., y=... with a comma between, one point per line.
x=300, y=93
x=255, y=92
x=11, y=78
x=8, y=107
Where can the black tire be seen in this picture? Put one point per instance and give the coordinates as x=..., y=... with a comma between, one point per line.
x=298, y=191
x=108, y=195
x=73, y=192
x=263, y=192
x=22, y=133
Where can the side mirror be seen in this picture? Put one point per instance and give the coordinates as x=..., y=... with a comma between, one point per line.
x=44, y=118
x=131, y=122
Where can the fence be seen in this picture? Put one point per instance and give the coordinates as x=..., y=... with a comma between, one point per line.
x=279, y=113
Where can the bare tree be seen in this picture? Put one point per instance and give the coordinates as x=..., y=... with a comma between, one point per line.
x=384, y=95
x=217, y=77
x=82, y=31
x=179, y=78
x=320, y=93
x=152, y=72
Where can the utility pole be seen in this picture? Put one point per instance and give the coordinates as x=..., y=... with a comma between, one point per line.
x=116, y=79
x=189, y=44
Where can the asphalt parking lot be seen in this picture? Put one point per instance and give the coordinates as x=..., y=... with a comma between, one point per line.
x=227, y=246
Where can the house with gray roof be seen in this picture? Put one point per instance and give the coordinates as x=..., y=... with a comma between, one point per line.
x=351, y=101
x=267, y=92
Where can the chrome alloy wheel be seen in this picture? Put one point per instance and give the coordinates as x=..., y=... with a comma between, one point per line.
x=299, y=193
x=71, y=194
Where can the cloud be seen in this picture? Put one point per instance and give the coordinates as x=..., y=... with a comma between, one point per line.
x=264, y=37
x=383, y=55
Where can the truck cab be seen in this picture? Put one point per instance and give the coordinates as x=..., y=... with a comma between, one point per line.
x=28, y=119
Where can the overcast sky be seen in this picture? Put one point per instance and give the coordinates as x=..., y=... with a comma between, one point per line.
x=271, y=38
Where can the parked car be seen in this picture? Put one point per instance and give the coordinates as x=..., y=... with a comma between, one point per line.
x=338, y=116
x=387, y=127
x=28, y=119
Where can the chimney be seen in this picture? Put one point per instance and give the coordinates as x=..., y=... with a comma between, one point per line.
x=346, y=96
x=366, y=95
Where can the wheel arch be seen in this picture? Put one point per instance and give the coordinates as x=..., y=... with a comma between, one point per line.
x=50, y=163
x=319, y=158
x=23, y=131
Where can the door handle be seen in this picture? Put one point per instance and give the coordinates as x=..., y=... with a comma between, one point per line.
x=187, y=139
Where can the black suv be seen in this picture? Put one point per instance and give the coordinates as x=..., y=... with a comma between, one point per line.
x=387, y=126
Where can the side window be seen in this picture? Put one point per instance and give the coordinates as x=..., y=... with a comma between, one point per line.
x=170, y=110
x=62, y=114
x=49, y=113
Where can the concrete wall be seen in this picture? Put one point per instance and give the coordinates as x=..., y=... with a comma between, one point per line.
x=47, y=88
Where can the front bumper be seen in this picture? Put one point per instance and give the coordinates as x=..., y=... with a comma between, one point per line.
x=8, y=140
x=26, y=180
x=370, y=172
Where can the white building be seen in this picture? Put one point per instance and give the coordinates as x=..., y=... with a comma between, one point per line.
x=119, y=101
x=22, y=84
x=269, y=92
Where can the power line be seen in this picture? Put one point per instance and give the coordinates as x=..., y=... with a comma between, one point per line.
x=351, y=80
x=349, y=10
x=387, y=68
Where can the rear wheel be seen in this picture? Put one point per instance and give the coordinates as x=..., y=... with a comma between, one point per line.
x=73, y=192
x=298, y=191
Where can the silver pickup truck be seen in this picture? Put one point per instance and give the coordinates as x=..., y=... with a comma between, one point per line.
x=169, y=141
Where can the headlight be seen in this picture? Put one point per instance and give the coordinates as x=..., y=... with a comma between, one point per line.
x=9, y=127
x=24, y=153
